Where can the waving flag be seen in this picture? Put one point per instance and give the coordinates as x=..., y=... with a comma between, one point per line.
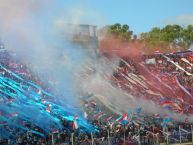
x=9, y=100
x=75, y=123
x=157, y=116
x=43, y=101
x=150, y=61
x=172, y=105
x=123, y=118
x=189, y=67
x=48, y=109
x=157, y=52
x=55, y=131
x=14, y=114
x=109, y=118
x=85, y=115
x=99, y=115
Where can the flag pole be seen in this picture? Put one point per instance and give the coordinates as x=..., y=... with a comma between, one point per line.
x=72, y=138
x=27, y=135
x=92, y=138
x=139, y=137
x=167, y=136
x=124, y=134
x=180, y=135
x=164, y=129
x=157, y=139
x=192, y=133
x=154, y=139
x=52, y=139
x=108, y=136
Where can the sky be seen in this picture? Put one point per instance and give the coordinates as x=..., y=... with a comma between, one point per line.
x=140, y=15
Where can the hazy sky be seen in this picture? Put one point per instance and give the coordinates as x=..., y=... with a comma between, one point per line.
x=140, y=15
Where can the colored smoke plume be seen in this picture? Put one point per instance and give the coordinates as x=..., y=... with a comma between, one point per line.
x=28, y=28
x=112, y=46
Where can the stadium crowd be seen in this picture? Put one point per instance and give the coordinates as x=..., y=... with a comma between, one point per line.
x=172, y=69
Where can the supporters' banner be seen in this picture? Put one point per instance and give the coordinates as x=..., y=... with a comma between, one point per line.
x=171, y=104
x=150, y=61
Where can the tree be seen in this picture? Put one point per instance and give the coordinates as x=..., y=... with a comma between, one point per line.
x=120, y=31
x=170, y=37
x=188, y=36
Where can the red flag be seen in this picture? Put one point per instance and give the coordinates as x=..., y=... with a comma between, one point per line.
x=75, y=124
x=43, y=101
x=191, y=57
x=55, y=131
x=48, y=109
x=10, y=100
x=189, y=67
x=75, y=117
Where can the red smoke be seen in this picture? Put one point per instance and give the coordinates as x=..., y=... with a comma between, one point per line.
x=113, y=46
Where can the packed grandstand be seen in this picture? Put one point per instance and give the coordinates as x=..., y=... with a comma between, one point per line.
x=165, y=79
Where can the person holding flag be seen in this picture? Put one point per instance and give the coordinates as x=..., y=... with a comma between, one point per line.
x=75, y=123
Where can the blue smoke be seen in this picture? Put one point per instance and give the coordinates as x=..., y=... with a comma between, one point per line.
x=20, y=101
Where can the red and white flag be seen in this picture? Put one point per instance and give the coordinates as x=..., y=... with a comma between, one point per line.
x=10, y=100
x=55, y=131
x=14, y=114
x=75, y=123
x=48, y=109
x=123, y=118
x=85, y=115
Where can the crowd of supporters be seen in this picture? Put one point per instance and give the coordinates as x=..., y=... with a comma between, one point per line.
x=159, y=77
x=173, y=69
